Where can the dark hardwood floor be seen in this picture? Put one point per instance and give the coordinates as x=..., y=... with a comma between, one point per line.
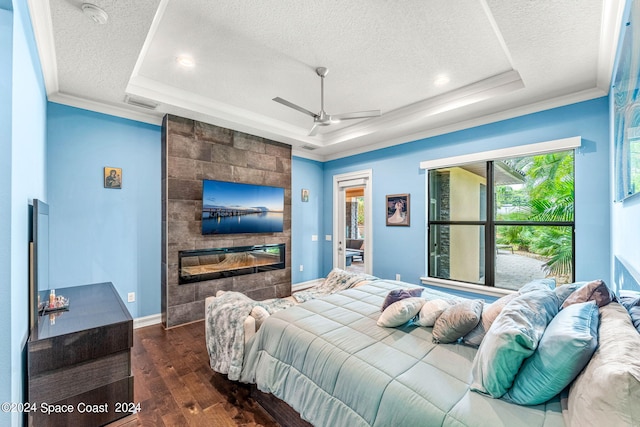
x=176, y=387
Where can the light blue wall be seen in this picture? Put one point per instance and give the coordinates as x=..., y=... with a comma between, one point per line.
x=6, y=48
x=27, y=182
x=306, y=220
x=99, y=234
x=396, y=170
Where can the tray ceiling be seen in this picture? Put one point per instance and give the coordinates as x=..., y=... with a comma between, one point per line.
x=499, y=59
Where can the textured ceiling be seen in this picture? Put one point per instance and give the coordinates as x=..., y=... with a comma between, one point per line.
x=502, y=59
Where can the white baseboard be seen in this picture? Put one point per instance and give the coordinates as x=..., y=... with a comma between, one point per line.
x=141, y=322
x=305, y=285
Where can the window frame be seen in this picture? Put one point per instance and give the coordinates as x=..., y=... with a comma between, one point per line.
x=490, y=223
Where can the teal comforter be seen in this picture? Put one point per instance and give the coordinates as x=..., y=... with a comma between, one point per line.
x=329, y=360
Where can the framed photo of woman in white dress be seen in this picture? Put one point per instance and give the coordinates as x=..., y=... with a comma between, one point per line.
x=398, y=209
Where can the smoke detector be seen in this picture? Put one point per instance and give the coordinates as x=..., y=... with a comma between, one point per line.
x=93, y=12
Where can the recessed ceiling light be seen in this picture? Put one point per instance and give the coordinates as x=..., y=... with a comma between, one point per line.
x=441, y=80
x=93, y=12
x=186, y=61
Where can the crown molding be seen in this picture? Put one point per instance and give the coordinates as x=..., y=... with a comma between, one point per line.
x=218, y=113
x=511, y=113
x=42, y=24
x=610, y=28
x=298, y=152
x=112, y=110
x=476, y=92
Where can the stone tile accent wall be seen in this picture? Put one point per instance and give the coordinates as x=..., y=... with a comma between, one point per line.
x=193, y=151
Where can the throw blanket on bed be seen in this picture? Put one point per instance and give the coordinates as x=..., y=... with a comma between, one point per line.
x=337, y=280
x=226, y=315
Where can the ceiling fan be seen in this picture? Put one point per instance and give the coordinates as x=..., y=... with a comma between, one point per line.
x=322, y=118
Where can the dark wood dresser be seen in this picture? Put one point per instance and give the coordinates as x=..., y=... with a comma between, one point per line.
x=79, y=361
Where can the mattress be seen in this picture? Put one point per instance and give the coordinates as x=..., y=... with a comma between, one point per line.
x=329, y=361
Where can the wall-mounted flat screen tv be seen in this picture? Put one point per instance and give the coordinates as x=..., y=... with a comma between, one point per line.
x=231, y=208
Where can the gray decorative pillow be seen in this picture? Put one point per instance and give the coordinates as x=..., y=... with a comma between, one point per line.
x=597, y=291
x=457, y=320
x=400, y=294
x=431, y=310
x=489, y=314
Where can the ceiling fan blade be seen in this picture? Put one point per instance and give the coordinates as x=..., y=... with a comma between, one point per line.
x=294, y=106
x=356, y=115
x=314, y=130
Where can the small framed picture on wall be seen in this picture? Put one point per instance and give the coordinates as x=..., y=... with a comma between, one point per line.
x=112, y=177
x=398, y=209
x=305, y=195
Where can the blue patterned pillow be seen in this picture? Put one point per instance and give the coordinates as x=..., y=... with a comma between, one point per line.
x=400, y=294
x=513, y=337
x=634, y=312
x=631, y=301
x=564, y=350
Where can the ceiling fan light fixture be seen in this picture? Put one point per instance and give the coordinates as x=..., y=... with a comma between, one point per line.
x=94, y=13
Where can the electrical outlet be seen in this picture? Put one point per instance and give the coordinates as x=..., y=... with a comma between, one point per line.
x=301, y=267
x=397, y=276
x=131, y=297
x=314, y=237
x=327, y=237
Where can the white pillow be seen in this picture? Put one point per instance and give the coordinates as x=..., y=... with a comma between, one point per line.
x=431, y=310
x=400, y=312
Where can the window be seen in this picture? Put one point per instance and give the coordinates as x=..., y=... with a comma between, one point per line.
x=502, y=223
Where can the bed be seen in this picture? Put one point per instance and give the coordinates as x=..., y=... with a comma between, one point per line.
x=548, y=356
x=331, y=363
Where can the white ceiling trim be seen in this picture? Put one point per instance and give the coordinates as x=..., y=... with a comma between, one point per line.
x=162, y=7
x=561, y=101
x=101, y=107
x=42, y=24
x=218, y=113
x=496, y=30
x=299, y=152
x=471, y=94
x=225, y=115
x=612, y=12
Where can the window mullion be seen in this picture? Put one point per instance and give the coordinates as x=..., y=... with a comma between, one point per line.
x=489, y=232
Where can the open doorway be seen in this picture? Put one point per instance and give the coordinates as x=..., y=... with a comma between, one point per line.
x=354, y=229
x=352, y=222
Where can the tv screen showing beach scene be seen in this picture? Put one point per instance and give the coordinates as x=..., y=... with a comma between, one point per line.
x=232, y=208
